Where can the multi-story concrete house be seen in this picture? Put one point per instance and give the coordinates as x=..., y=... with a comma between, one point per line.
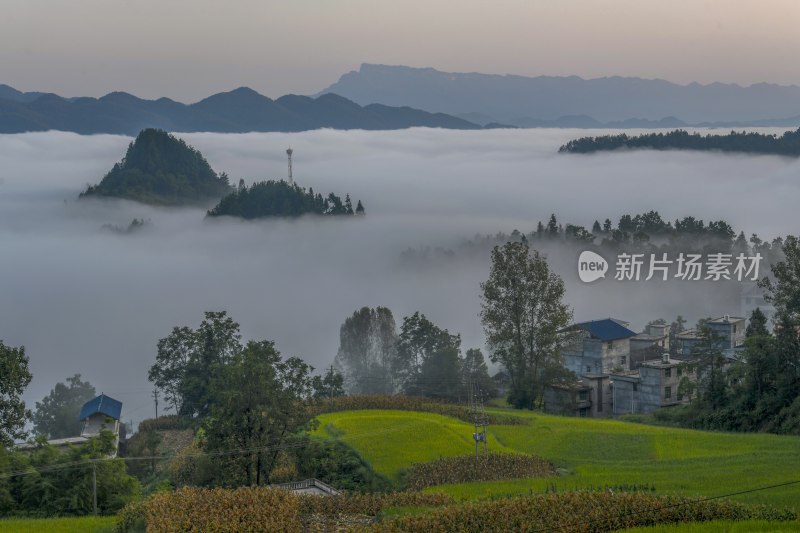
x=655, y=385
x=598, y=347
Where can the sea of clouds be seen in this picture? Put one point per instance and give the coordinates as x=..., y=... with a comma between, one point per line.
x=84, y=300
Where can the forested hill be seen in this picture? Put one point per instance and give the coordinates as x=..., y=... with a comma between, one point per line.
x=787, y=144
x=281, y=199
x=161, y=169
x=238, y=111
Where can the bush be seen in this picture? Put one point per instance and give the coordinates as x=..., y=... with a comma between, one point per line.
x=482, y=468
x=164, y=423
x=335, y=463
x=410, y=403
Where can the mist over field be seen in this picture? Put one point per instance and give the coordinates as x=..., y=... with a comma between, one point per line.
x=95, y=302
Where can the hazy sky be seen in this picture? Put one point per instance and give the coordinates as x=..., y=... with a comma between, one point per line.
x=188, y=49
x=94, y=302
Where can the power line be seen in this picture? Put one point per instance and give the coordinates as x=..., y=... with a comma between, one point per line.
x=214, y=453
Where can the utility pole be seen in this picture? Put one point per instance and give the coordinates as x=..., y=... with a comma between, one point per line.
x=155, y=397
x=479, y=418
x=330, y=383
x=94, y=485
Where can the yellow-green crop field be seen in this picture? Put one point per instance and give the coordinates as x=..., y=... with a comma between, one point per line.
x=723, y=526
x=591, y=453
x=85, y=524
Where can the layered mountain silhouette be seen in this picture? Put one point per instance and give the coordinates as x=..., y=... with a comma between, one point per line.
x=241, y=110
x=551, y=101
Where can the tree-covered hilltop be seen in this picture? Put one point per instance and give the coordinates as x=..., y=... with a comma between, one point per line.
x=161, y=169
x=787, y=144
x=281, y=199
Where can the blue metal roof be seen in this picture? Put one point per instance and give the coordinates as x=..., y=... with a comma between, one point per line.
x=104, y=405
x=606, y=329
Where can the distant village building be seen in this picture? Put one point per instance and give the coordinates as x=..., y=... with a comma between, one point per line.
x=621, y=372
x=655, y=385
x=730, y=330
x=102, y=413
x=752, y=297
x=599, y=346
x=590, y=396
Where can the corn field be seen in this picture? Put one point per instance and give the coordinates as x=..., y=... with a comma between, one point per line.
x=468, y=468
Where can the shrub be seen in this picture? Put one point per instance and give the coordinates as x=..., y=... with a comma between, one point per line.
x=468, y=468
x=164, y=423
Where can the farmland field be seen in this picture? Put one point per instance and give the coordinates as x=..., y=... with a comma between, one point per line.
x=85, y=524
x=590, y=453
x=723, y=526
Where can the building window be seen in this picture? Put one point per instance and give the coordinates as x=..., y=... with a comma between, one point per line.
x=667, y=393
x=667, y=372
x=623, y=360
x=680, y=371
x=582, y=412
x=635, y=387
x=582, y=395
x=588, y=368
x=610, y=344
x=680, y=397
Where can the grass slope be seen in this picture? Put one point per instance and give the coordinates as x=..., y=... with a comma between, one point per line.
x=85, y=524
x=592, y=453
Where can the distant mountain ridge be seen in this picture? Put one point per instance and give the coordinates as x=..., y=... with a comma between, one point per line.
x=550, y=101
x=238, y=111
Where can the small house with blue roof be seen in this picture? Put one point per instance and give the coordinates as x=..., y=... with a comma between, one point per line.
x=99, y=414
x=599, y=346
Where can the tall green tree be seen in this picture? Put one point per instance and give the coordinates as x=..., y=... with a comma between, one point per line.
x=260, y=401
x=474, y=370
x=758, y=325
x=367, y=351
x=522, y=312
x=14, y=377
x=330, y=385
x=56, y=416
x=186, y=358
x=428, y=359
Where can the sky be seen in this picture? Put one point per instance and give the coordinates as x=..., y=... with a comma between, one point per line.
x=84, y=300
x=189, y=49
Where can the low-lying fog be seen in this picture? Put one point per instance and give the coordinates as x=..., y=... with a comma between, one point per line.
x=95, y=302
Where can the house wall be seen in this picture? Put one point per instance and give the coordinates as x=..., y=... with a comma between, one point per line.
x=600, y=396
x=625, y=396
x=616, y=354
x=732, y=332
x=655, y=378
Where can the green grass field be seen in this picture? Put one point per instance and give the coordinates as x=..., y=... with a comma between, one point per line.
x=86, y=524
x=591, y=453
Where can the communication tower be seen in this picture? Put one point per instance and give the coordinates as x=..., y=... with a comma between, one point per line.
x=289, y=153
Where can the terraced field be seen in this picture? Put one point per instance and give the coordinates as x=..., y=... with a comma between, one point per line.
x=590, y=453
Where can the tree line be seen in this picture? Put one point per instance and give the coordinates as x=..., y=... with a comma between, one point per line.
x=282, y=199
x=787, y=144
